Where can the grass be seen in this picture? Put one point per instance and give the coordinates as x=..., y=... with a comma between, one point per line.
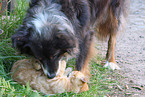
x=99, y=83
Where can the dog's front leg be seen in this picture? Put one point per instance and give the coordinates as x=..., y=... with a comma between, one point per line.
x=85, y=54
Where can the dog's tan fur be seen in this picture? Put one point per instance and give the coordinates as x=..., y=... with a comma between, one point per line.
x=28, y=70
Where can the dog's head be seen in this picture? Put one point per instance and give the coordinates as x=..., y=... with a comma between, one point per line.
x=48, y=51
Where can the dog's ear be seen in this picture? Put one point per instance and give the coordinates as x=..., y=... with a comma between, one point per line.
x=21, y=38
x=18, y=40
x=65, y=41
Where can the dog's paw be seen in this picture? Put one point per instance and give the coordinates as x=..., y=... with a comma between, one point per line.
x=112, y=65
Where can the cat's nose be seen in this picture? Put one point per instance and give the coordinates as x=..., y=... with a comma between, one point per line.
x=50, y=76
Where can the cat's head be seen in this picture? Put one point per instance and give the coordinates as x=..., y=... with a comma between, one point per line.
x=78, y=82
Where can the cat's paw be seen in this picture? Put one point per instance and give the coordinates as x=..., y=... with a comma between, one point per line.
x=68, y=71
x=112, y=65
x=37, y=66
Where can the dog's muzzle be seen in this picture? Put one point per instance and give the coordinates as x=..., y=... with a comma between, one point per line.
x=49, y=69
x=49, y=75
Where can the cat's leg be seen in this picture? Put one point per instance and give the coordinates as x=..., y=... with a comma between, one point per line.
x=67, y=71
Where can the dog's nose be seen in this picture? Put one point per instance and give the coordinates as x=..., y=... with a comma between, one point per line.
x=50, y=76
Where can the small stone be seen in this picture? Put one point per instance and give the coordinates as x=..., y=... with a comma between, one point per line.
x=141, y=36
x=131, y=81
x=119, y=56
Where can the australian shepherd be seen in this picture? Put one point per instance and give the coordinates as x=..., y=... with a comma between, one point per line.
x=53, y=29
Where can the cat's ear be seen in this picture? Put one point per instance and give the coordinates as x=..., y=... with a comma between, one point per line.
x=84, y=80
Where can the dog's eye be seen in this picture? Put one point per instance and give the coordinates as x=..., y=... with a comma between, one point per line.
x=56, y=54
x=51, y=57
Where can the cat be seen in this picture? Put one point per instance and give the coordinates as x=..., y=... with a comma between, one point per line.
x=29, y=70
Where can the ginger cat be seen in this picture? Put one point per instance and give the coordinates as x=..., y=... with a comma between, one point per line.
x=28, y=70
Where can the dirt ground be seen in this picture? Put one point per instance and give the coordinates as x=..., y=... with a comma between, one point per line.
x=130, y=49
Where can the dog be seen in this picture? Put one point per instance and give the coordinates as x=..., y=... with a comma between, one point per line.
x=53, y=29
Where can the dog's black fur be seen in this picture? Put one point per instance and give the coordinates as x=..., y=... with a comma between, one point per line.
x=81, y=15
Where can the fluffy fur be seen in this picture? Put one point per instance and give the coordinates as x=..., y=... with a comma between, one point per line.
x=29, y=70
x=53, y=28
